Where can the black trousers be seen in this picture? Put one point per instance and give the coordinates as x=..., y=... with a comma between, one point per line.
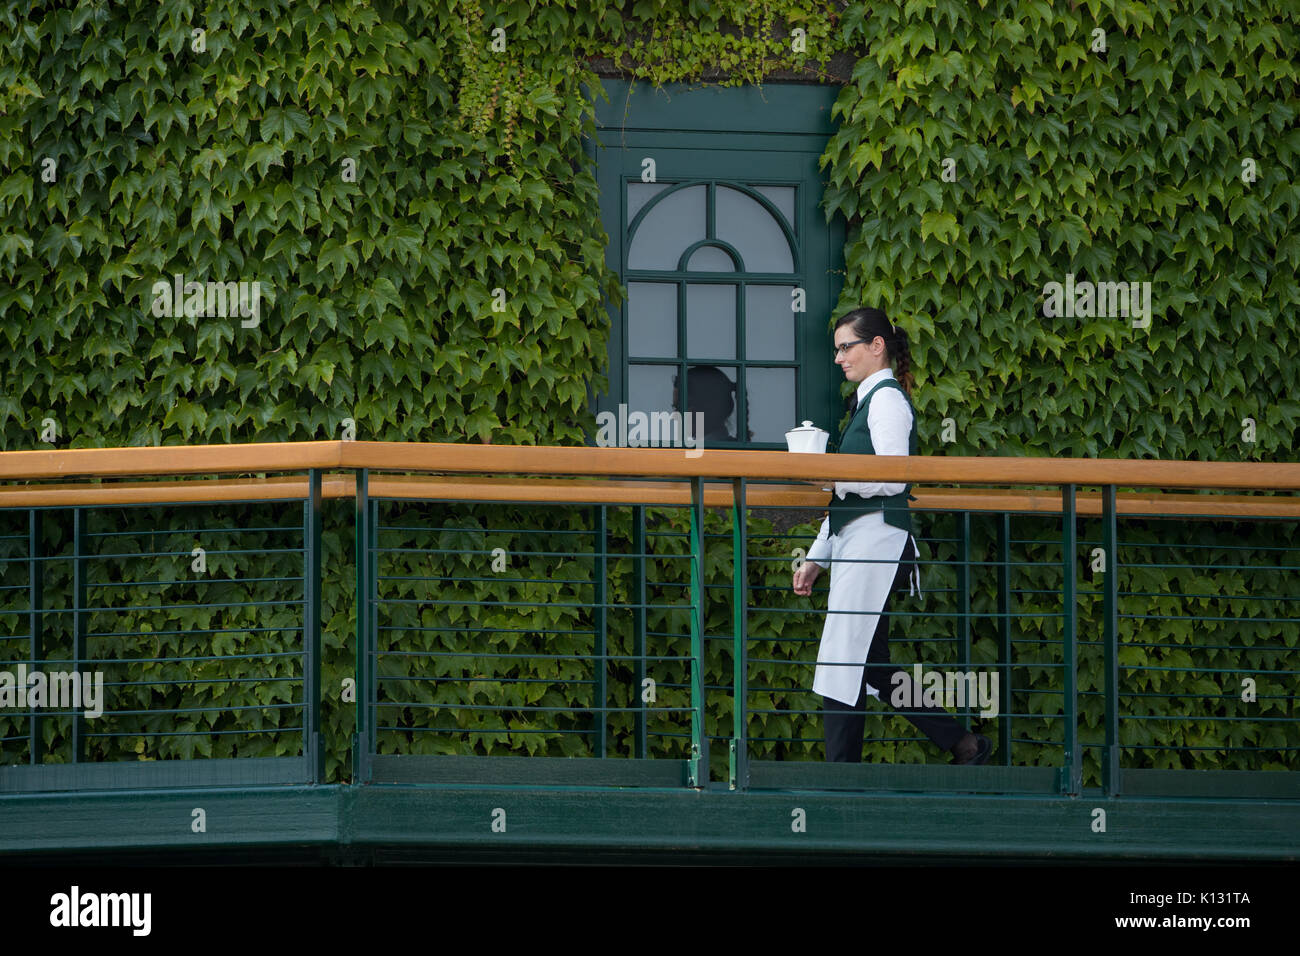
x=844, y=724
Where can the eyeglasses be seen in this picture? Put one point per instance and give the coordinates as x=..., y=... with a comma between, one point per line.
x=842, y=349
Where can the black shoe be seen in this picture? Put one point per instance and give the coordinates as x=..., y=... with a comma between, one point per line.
x=972, y=749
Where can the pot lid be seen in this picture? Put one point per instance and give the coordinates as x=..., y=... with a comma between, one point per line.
x=805, y=427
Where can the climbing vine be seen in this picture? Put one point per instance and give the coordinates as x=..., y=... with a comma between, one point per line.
x=406, y=183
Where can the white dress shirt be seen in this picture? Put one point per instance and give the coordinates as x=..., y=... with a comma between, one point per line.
x=889, y=418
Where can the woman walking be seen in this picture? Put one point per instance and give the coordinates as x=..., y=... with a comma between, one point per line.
x=867, y=536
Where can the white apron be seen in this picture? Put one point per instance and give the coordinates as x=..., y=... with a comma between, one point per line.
x=857, y=594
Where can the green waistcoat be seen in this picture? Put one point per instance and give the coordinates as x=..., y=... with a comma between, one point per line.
x=856, y=440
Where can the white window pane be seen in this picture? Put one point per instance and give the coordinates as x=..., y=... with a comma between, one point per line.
x=772, y=410
x=783, y=198
x=650, y=388
x=651, y=320
x=674, y=222
x=710, y=321
x=710, y=259
x=769, y=323
x=753, y=231
x=638, y=194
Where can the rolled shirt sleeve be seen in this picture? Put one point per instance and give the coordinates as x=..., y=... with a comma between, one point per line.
x=819, y=552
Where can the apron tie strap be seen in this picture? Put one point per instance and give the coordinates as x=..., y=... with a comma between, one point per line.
x=914, y=579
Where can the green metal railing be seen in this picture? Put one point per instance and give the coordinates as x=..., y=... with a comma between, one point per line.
x=487, y=641
x=774, y=677
x=1046, y=694
x=192, y=649
x=569, y=632
x=743, y=681
x=1243, y=711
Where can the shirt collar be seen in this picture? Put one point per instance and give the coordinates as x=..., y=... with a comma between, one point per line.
x=872, y=380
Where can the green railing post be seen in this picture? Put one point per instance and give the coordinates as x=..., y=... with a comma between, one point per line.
x=78, y=624
x=599, y=658
x=963, y=604
x=739, y=757
x=638, y=627
x=362, y=741
x=372, y=623
x=35, y=619
x=1004, y=636
x=1072, y=770
x=312, y=745
x=698, y=772
x=1110, y=769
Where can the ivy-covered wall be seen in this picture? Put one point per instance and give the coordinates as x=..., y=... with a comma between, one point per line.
x=406, y=184
x=987, y=152
x=381, y=170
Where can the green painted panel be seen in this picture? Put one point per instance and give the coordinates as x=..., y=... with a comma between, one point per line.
x=370, y=823
x=1210, y=783
x=527, y=771
x=926, y=778
x=249, y=817
x=217, y=772
x=897, y=827
x=777, y=107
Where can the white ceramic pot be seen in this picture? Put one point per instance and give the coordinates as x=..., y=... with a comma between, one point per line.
x=807, y=438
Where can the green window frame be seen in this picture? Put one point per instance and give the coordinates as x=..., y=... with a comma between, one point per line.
x=758, y=151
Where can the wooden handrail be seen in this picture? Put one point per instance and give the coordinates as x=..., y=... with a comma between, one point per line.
x=278, y=488
x=801, y=496
x=171, y=460
x=542, y=490
x=640, y=462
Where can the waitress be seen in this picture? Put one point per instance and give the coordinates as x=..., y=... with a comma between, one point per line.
x=867, y=536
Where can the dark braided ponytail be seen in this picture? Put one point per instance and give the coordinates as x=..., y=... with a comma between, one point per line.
x=901, y=352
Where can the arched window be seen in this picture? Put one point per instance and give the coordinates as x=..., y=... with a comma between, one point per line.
x=712, y=268
x=730, y=265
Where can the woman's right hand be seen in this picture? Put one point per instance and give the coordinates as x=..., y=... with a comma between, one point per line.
x=805, y=576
